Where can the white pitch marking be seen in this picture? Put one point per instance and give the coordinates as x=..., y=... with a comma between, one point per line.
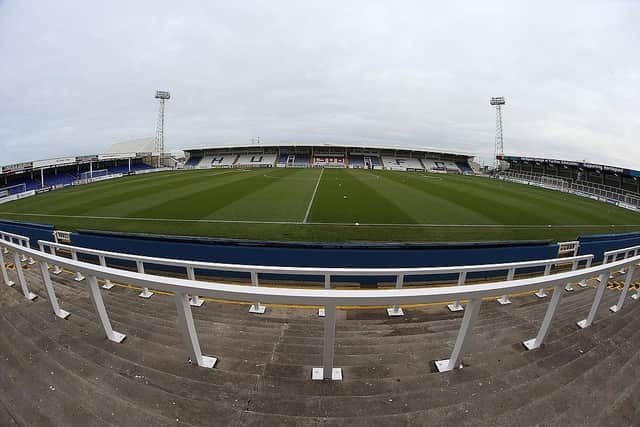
x=346, y=224
x=313, y=196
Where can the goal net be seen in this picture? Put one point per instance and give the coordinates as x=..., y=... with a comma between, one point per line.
x=93, y=174
x=13, y=189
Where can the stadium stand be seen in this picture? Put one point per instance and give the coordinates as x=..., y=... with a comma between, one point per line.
x=256, y=160
x=222, y=161
x=402, y=163
x=356, y=162
x=300, y=160
x=193, y=161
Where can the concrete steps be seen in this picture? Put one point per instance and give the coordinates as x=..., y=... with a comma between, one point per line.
x=585, y=376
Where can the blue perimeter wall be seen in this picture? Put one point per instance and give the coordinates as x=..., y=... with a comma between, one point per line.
x=31, y=230
x=297, y=254
x=324, y=255
x=598, y=244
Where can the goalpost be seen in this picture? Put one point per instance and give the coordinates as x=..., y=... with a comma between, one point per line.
x=93, y=174
x=13, y=189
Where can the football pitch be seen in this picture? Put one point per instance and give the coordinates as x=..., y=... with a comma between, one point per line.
x=323, y=205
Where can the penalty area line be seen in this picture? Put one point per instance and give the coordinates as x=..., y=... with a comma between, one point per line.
x=313, y=196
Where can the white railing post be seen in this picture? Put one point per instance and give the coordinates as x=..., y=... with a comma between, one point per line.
x=583, y=282
x=456, y=306
x=396, y=310
x=23, y=283
x=53, y=250
x=327, y=285
x=546, y=322
x=468, y=320
x=79, y=277
x=189, y=334
x=146, y=293
x=5, y=276
x=569, y=287
x=195, y=299
x=542, y=293
x=596, y=301
x=256, y=308
x=48, y=286
x=504, y=299
x=101, y=311
x=627, y=282
x=327, y=371
x=107, y=283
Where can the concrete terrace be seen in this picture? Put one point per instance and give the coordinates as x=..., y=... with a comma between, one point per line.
x=65, y=372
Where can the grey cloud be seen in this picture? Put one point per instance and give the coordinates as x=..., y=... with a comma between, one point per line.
x=78, y=76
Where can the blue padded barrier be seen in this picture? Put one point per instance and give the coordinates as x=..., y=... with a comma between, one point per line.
x=31, y=230
x=380, y=255
x=598, y=244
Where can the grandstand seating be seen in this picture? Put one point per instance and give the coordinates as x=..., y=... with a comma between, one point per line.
x=356, y=161
x=402, y=163
x=256, y=160
x=220, y=160
x=59, y=179
x=193, y=161
x=464, y=167
x=300, y=160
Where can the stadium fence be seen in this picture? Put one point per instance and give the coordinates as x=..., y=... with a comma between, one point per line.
x=330, y=299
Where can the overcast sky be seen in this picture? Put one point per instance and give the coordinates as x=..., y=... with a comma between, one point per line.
x=78, y=76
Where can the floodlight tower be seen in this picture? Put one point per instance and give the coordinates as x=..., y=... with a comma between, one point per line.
x=499, y=150
x=162, y=96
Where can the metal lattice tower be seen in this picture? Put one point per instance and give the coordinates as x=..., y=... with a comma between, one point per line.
x=162, y=96
x=499, y=149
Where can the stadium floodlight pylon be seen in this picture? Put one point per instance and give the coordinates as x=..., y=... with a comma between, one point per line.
x=162, y=96
x=499, y=147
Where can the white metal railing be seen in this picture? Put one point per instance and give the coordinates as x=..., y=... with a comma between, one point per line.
x=22, y=241
x=329, y=298
x=255, y=270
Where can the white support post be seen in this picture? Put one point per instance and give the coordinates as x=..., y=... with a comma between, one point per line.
x=195, y=299
x=504, y=299
x=146, y=293
x=48, y=286
x=107, y=283
x=456, y=306
x=56, y=268
x=101, y=311
x=327, y=285
x=583, y=282
x=542, y=293
x=24, y=243
x=468, y=320
x=256, y=307
x=327, y=371
x=5, y=276
x=396, y=310
x=627, y=282
x=546, y=322
x=189, y=334
x=596, y=301
x=23, y=283
x=569, y=287
x=79, y=277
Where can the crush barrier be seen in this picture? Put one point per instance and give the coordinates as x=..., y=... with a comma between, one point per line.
x=331, y=299
x=254, y=271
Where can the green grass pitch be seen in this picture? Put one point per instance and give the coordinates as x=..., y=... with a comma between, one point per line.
x=323, y=205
